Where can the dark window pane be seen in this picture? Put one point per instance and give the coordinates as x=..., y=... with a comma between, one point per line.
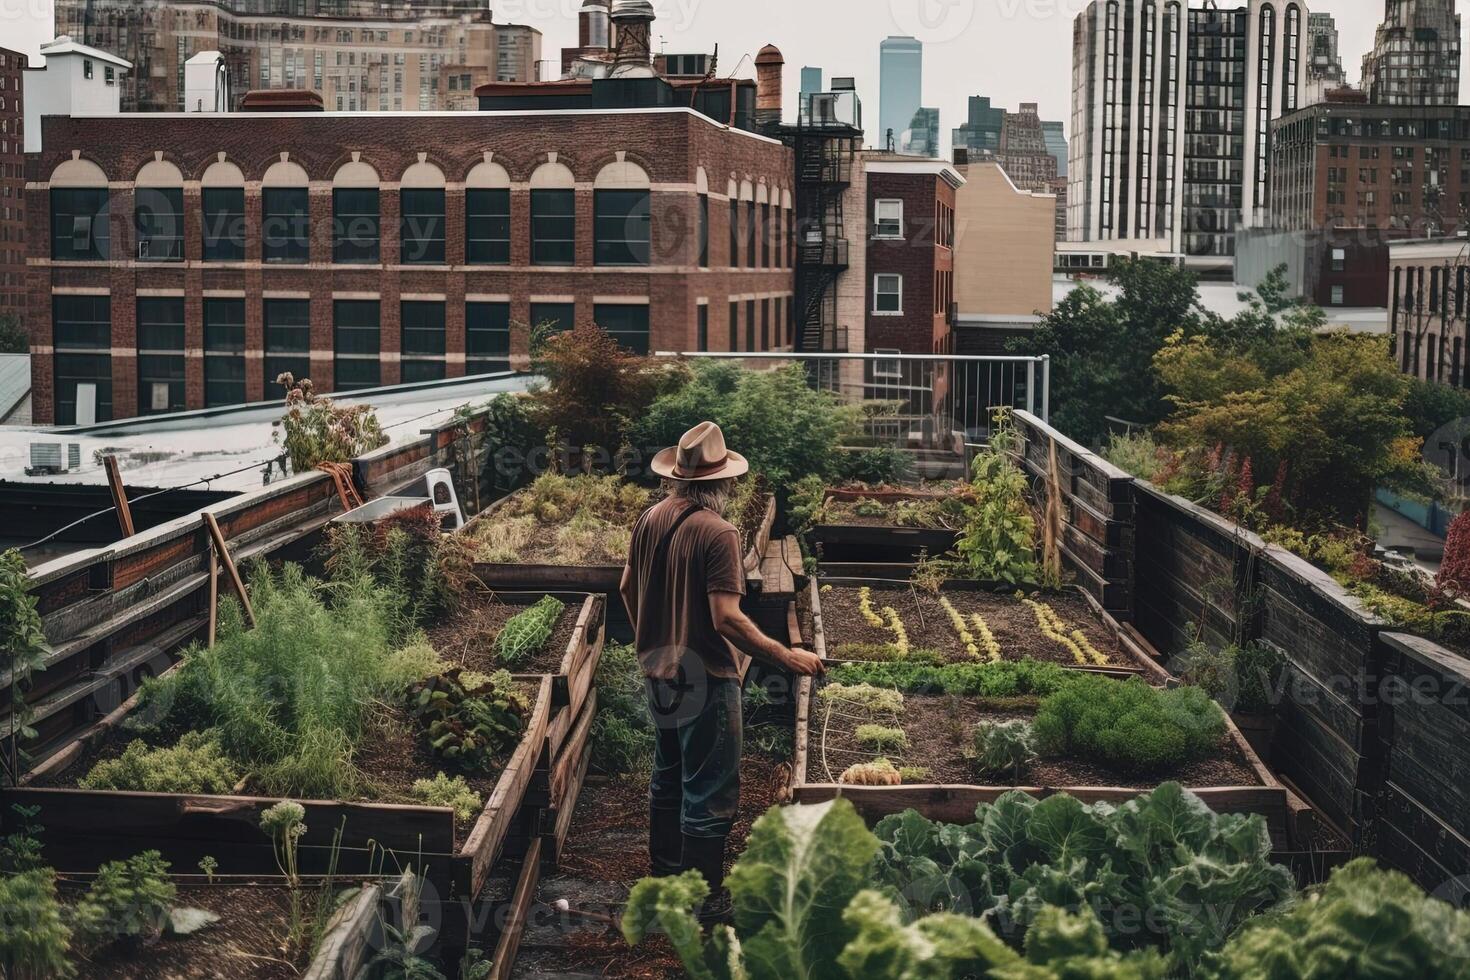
x=487, y=227
x=553, y=228
x=357, y=342
x=552, y=317
x=423, y=328
x=287, y=341
x=423, y=370
x=627, y=324
x=750, y=325
x=487, y=338
x=158, y=213
x=224, y=380
x=286, y=224
x=82, y=322
x=80, y=226
x=224, y=326
x=355, y=373
x=621, y=228
x=702, y=334
x=161, y=324
x=72, y=370
x=356, y=225
x=222, y=211
x=422, y=226
x=160, y=383
x=750, y=234
x=734, y=235
x=704, y=231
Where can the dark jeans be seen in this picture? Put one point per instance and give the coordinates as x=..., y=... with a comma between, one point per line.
x=696, y=758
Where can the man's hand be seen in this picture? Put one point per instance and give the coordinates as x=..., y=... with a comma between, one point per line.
x=804, y=663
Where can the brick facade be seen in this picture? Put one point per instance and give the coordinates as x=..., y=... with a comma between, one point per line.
x=681, y=152
x=12, y=184
x=923, y=255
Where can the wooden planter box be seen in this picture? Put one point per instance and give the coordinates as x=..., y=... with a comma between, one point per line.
x=956, y=803
x=603, y=579
x=354, y=934
x=84, y=828
x=872, y=543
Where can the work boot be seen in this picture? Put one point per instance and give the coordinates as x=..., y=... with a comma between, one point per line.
x=707, y=856
x=665, y=843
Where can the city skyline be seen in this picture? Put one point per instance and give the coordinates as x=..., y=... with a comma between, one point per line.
x=961, y=57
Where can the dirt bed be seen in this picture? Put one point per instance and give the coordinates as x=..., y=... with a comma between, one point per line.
x=605, y=855
x=940, y=732
x=244, y=945
x=468, y=638
x=1011, y=621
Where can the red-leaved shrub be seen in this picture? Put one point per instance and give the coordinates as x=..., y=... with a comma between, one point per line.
x=1454, y=572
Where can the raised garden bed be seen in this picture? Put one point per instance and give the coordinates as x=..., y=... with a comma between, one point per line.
x=523, y=545
x=887, y=524
x=842, y=631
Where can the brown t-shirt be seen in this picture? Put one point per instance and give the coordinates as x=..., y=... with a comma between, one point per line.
x=674, y=621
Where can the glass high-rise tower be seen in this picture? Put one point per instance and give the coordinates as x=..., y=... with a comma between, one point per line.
x=900, y=87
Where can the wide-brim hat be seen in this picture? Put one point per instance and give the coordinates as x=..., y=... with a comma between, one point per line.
x=700, y=455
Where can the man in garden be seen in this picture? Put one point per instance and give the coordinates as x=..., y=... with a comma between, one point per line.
x=682, y=586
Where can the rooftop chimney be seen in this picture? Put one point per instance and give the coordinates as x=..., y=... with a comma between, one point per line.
x=768, y=67
x=634, y=21
x=282, y=100
x=594, y=26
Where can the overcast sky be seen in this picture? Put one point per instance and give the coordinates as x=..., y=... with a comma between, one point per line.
x=1012, y=50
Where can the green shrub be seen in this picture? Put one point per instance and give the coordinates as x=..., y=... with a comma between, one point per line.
x=317, y=430
x=129, y=901
x=452, y=793
x=470, y=725
x=622, y=732
x=998, y=543
x=1240, y=679
x=1005, y=747
x=1129, y=724
x=806, y=507
x=526, y=633
x=22, y=650
x=410, y=664
x=877, y=466
x=34, y=935
x=881, y=738
x=194, y=765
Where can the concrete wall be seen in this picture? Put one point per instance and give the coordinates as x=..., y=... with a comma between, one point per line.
x=1004, y=245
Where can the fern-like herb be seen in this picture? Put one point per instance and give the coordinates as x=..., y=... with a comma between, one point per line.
x=526, y=633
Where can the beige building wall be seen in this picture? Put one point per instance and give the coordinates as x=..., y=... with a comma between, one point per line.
x=852, y=285
x=1005, y=241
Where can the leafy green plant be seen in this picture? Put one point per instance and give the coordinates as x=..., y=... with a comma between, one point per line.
x=510, y=437
x=317, y=430
x=885, y=652
x=869, y=508
x=806, y=506
x=285, y=824
x=452, y=793
x=22, y=653
x=128, y=902
x=194, y=765
x=1005, y=747
x=622, y=732
x=862, y=697
x=913, y=774
x=881, y=738
x=1364, y=922
x=470, y=725
x=13, y=336
x=526, y=633
x=1240, y=679
x=1129, y=724
x=208, y=865
x=878, y=465
x=987, y=681
x=998, y=543
x=20, y=849
x=34, y=935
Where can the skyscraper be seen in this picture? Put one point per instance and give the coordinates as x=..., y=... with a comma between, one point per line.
x=1416, y=54
x=981, y=132
x=1056, y=144
x=1324, y=64
x=900, y=86
x=1171, y=111
x=921, y=139
x=811, y=82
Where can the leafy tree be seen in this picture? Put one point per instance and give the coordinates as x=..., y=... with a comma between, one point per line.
x=13, y=336
x=1102, y=348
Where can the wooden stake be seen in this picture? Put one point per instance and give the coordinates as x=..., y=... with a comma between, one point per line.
x=119, y=495
x=223, y=551
x=213, y=594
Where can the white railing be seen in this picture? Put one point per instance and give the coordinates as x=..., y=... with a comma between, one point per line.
x=922, y=394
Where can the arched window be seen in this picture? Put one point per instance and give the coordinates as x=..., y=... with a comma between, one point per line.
x=487, y=215
x=620, y=203
x=158, y=212
x=285, y=213
x=421, y=220
x=80, y=209
x=356, y=215
x=553, y=215
x=222, y=207
x=701, y=188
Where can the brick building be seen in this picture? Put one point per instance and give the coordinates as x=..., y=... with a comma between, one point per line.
x=910, y=254
x=1402, y=169
x=12, y=184
x=187, y=260
x=1428, y=308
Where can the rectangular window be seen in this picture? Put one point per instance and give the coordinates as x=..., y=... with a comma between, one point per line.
x=704, y=231
x=287, y=340
x=734, y=235
x=158, y=214
x=553, y=227
x=82, y=334
x=734, y=326
x=423, y=341
x=620, y=227
x=487, y=338
x=487, y=227
x=888, y=219
x=888, y=294
x=285, y=226
x=421, y=226
x=80, y=229
x=701, y=339
x=765, y=324
x=357, y=340
x=356, y=226
x=224, y=352
x=222, y=211
x=1455, y=378
x=160, y=355
x=750, y=234
x=625, y=323
x=750, y=325
x=1337, y=296
x=765, y=236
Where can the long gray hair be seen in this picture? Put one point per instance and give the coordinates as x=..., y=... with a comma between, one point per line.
x=713, y=495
